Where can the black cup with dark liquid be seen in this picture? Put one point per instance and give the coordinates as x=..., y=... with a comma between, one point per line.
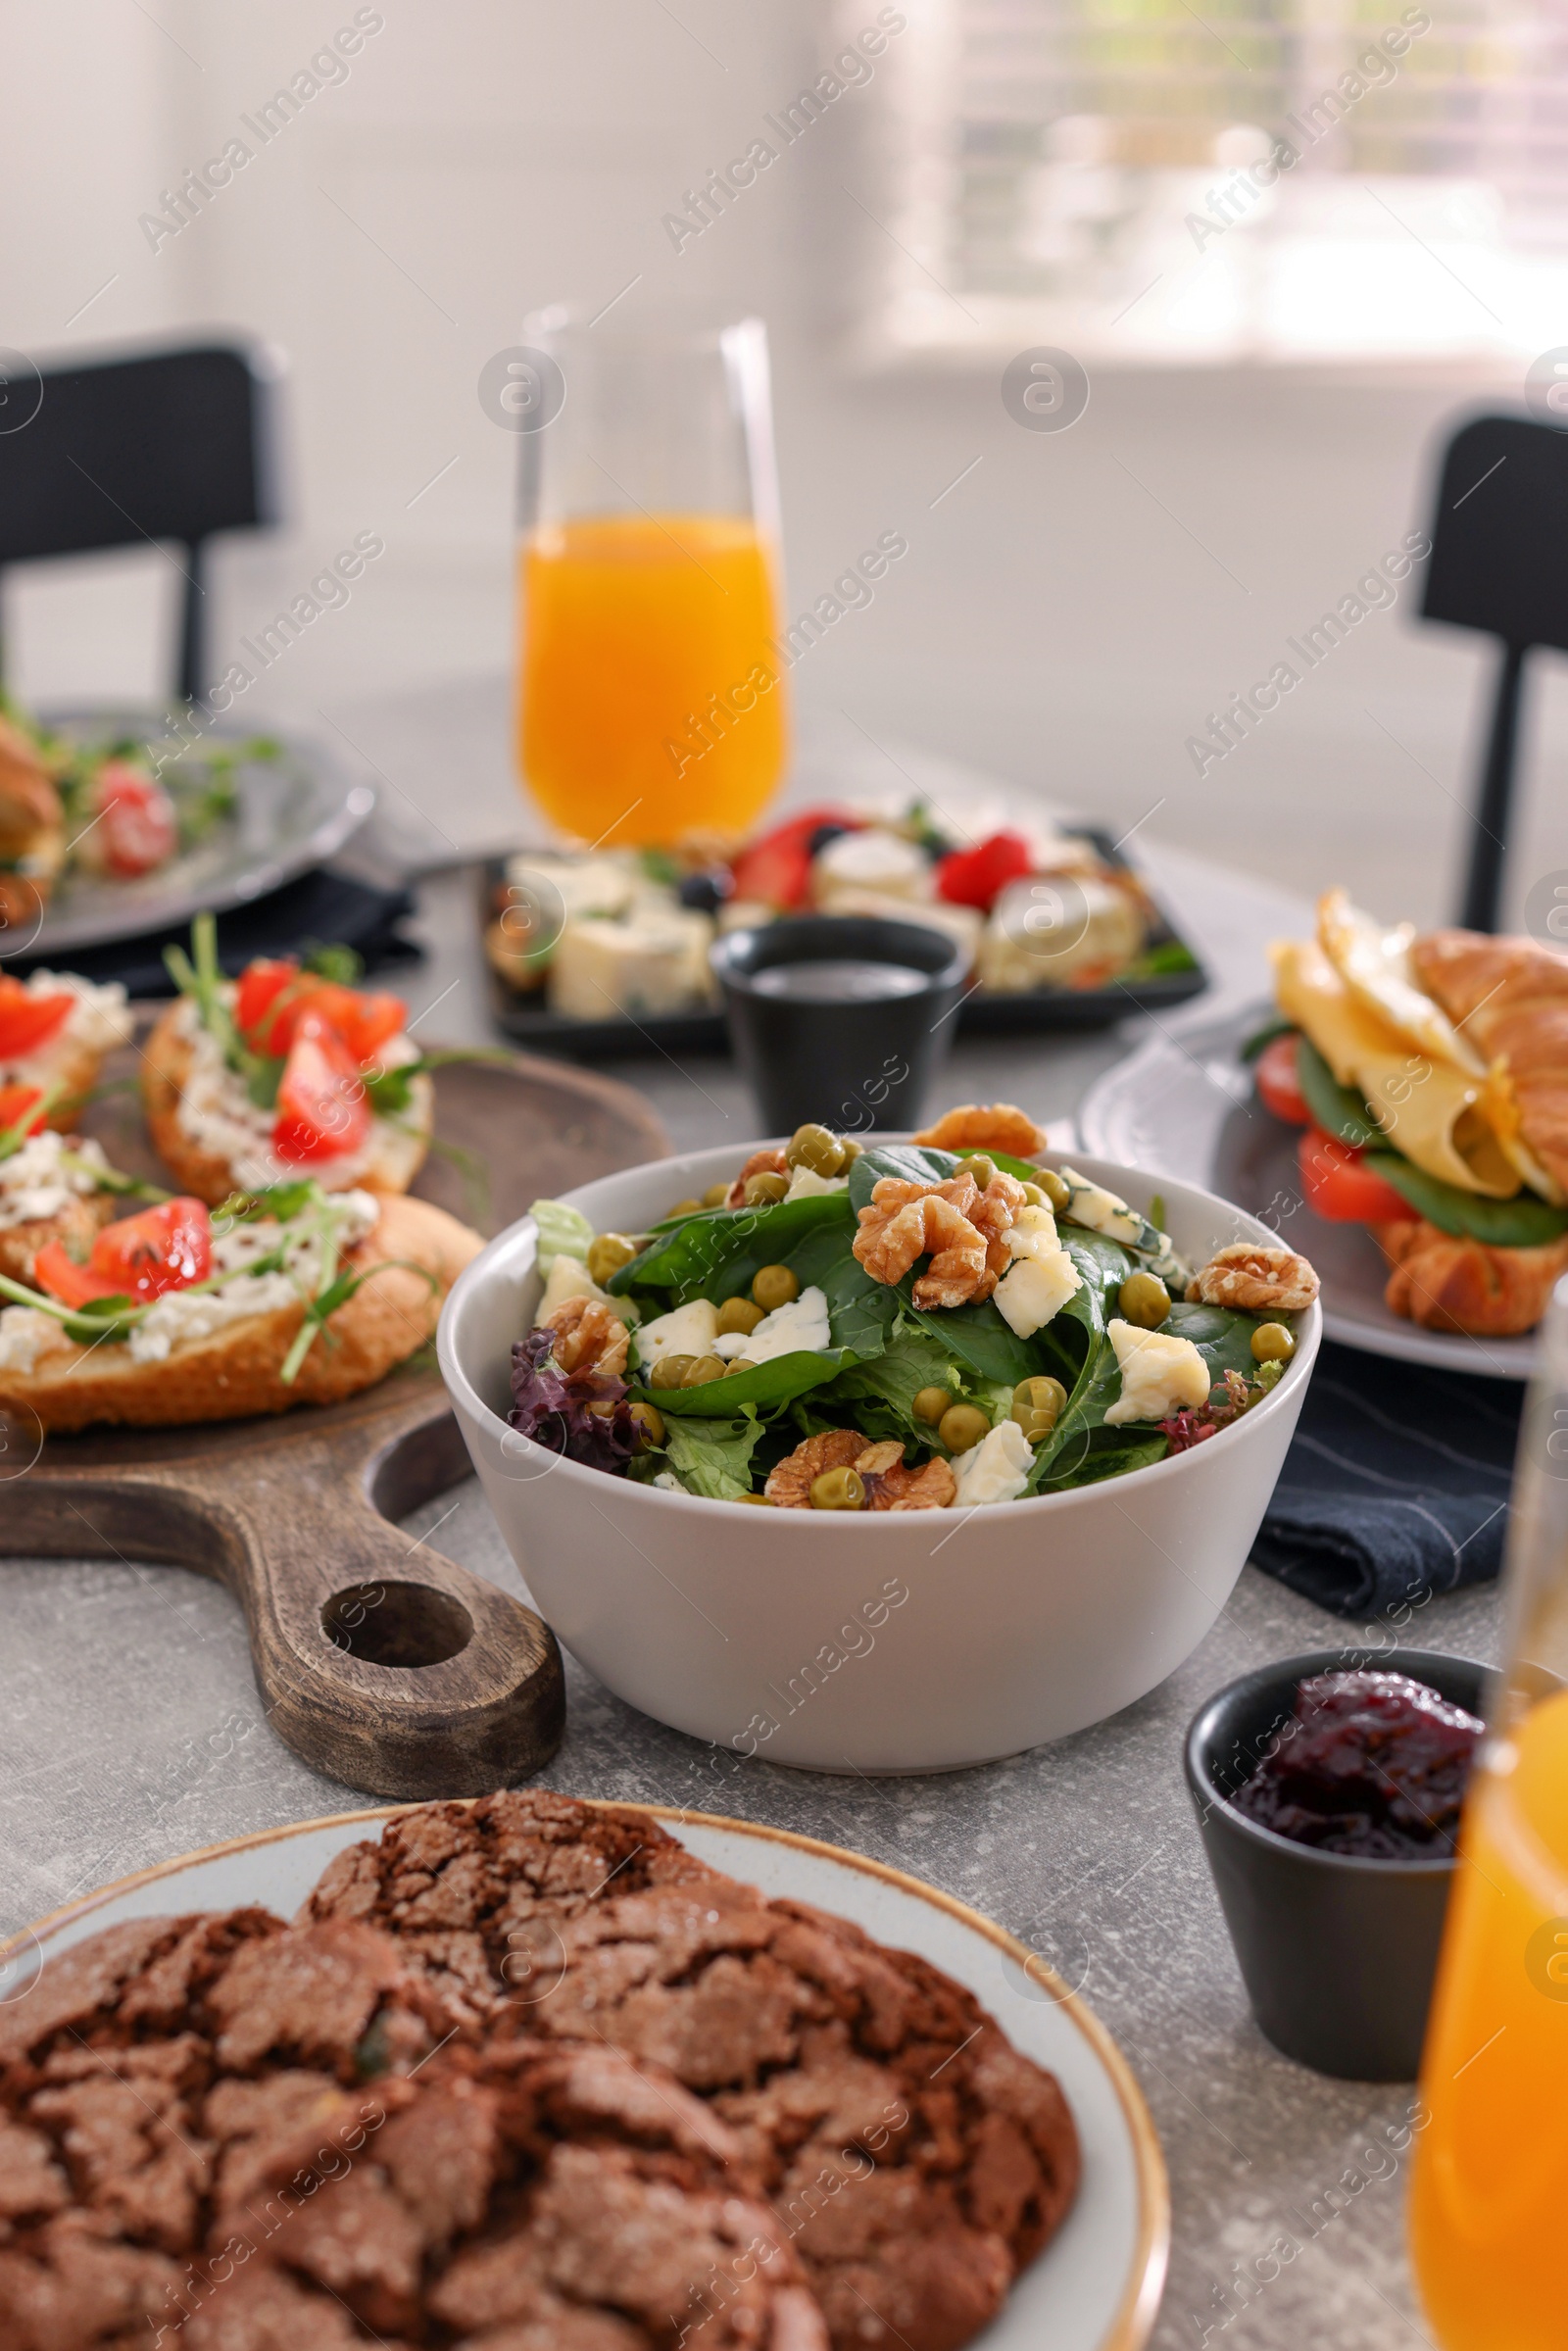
x=842, y=1018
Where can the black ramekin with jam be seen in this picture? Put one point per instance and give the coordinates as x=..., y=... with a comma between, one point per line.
x=1328, y=1794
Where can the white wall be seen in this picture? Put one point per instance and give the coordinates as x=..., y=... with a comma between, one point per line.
x=1067, y=615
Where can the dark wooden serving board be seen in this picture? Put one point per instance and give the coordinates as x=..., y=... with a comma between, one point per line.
x=381, y=1663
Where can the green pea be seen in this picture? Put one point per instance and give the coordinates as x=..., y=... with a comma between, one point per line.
x=741, y=1314
x=775, y=1286
x=763, y=1191
x=961, y=1427
x=608, y=1255
x=930, y=1404
x=838, y=1490
x=983, y=1170
x=671, y=1371
x=1145, y=1301
x=1273, y=1342
x=1037, y=1406
x=816, y=1147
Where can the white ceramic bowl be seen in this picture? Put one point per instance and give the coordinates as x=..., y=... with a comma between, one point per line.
x=906, y=1642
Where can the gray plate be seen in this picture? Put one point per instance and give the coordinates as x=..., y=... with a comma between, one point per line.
x=1183, y=1105
x=292, y=814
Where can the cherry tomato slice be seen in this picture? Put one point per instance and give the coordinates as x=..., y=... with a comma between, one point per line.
x=271, y=996
x=261, y=984
x=364, y=1019
x=138, y=830
x=977, y=877
x=1278, y=1084
x=16, y=1101
x=167, y=1248
x=29, y=1021
x=1341, y=1188
x=321, y=1107
x=778, y=868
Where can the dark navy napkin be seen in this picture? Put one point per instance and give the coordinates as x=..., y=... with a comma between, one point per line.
x=1396, y=1486
x=320, y=909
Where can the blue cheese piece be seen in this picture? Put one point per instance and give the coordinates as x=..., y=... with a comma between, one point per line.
x=807, y=1184
x=1160, y=1374
x=685, y=1331
x=800, y=1327
x=996, y=1470
x=654, y=961
x=1102, y=1212
x=1042, y=1277
x=583, y=884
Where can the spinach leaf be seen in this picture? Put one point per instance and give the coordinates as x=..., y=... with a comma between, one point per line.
x=977, y=1337
x=1105, y=1453
x=777, y=1382
x=1067, y=1448
x=1221, y=1336
x=1337, y=1109
x=717, y=1253
x=1523, y=1222
x=713, y=1458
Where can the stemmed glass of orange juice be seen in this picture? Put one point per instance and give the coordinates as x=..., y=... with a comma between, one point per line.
x=1488, y=2189
x=652, y=698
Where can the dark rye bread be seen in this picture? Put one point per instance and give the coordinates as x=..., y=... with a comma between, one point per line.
x=915, y=2159
x=222, y=2135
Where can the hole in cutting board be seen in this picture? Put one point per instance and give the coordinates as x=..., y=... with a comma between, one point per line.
x=397, y=1624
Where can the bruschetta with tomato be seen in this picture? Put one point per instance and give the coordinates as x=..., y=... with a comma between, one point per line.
x=56, y=1031
x=286, y=1072
x=293, y=1295
x=54, y=1187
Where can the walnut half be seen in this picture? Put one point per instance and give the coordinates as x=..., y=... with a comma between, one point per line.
x=1252, y=1279
x=588, y=1337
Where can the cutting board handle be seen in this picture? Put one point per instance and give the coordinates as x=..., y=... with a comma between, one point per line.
x=380, y=1663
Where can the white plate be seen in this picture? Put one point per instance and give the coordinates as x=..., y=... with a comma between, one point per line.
x=1096, y=2287
x=1184, y=1105
x=290, y=815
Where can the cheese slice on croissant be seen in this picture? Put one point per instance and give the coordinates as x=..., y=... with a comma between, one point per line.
x=1510, y=997
x=1430, y=1109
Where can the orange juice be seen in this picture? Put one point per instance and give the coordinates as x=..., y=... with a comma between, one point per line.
x=653, y=703
x=1488, y=2193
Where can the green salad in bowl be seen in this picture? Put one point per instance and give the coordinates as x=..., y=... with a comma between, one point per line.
x=897, y=1325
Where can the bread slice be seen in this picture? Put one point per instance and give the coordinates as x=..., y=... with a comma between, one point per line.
x=235, y=1372
x=398, y=1151
x=1447, y=1283
x=77, y=1224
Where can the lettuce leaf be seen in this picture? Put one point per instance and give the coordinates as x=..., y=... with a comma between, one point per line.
x=562, y=1232
x=713, y=1458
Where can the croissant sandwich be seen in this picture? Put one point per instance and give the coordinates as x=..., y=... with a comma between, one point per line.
x=1430, y=1074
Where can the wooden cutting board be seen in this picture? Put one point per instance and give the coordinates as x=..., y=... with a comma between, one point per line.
x=382, y=1664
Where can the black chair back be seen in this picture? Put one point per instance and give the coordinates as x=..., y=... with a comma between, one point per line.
x=168, y=447
x=1499, y=563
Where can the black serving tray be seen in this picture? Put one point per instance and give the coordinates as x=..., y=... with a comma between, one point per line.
x=528, y=1019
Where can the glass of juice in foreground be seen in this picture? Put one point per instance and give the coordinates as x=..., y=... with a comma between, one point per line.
x=1489, y=2190
x=652, y=700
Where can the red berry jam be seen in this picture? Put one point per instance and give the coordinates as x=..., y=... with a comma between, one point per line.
x=1372, y=1764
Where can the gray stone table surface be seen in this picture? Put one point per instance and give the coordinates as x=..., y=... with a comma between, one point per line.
x=130, y=1731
